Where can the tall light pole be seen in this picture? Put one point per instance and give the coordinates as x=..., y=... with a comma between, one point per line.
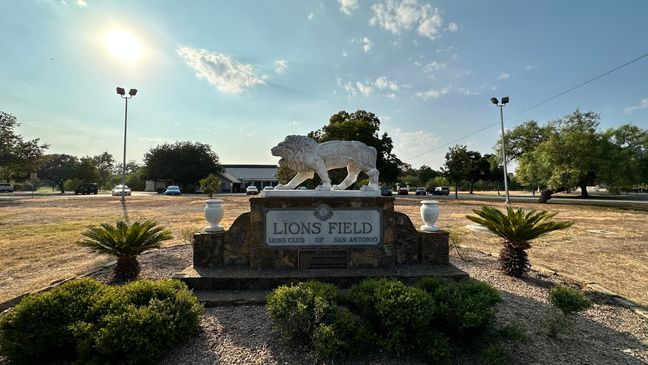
x=505, y=101
x=122, y=93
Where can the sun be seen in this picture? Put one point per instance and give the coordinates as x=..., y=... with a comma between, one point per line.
x=122, y=45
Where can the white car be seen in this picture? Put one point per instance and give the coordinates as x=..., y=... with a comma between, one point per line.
x=118, y=190
x=252, y=190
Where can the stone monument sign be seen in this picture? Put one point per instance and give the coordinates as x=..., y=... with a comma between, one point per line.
x=331, y=234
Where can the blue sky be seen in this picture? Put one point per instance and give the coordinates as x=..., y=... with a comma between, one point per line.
x=242, y=75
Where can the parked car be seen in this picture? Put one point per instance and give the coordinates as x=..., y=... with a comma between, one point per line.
x=87, y=188
x=121, y=190
x=267, y=188
x=441, y=190
x=403, y=191
x=172, y=190
x=421, y=191
x=252, y=190
x=386, y=191
x=6, y=188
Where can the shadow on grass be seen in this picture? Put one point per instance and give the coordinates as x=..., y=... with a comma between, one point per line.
x=125, y=210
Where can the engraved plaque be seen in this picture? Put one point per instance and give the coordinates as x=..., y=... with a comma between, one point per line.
x=323, y=259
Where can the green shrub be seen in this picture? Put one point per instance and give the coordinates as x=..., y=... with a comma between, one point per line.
x=493, y=354
x=346, y=336
x=434, y=348
x=396, y=312
x=569, y=300
x=466, y=307
x=429, y=320
x=298, y=310
x=431, y=284
x=94, y=323
x=38, y=328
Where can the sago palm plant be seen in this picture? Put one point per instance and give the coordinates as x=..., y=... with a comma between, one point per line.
x=125, y=241
x=517, y=228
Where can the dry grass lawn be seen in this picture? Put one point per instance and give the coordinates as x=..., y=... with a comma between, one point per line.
x=607, y=246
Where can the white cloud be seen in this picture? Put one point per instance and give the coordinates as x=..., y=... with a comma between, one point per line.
x=280, y=66
x=453, y=27
x=503, y=76
x=469, y=92
x=432, y=93
x=365, y=90
x=224, y=72
x=444, y=50
x=383, y=83
x=411, y=147
x=348, y=87
x=528, y=67
x=431, y=26
x=344, y=54
x=642, y=105
x=310, y=16
x=401, y=15
x=434, y=66
x=366, y=44
x=294, y=122
x=348, y=6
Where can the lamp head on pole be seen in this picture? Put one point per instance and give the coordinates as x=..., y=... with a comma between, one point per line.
x=132, y=92
x=494, y=101
x=505, y=100
x=121, y=91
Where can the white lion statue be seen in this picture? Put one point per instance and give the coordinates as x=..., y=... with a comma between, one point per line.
x=307, y=157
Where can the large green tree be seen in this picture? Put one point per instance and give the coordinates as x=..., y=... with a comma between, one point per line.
x=457, y=165
x=18, y=157
x=479, y=169
x=562, y=155
x=58, y=168
x=105, y=164
x=184, y=162
x=624, y=157
x=363, y=126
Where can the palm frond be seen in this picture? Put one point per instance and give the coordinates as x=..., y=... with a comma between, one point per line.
x=517, y=226
x=123, y=239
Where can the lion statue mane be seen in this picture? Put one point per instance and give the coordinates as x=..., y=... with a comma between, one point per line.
x=307, y=157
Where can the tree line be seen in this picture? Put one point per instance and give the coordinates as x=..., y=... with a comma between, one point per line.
x=182, y=163
x=560, y=155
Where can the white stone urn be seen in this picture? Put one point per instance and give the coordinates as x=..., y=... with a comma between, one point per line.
x=429, y=213
x=214, y=212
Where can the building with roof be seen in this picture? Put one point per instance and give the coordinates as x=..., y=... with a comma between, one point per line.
x=235, y=178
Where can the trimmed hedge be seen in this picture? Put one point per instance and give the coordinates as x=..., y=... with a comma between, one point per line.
x=38, y=328
x=89, y=322
x=431, y=320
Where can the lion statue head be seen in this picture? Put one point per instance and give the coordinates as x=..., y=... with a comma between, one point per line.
x=293, y=151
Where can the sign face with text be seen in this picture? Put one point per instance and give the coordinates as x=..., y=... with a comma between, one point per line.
x=323, y=226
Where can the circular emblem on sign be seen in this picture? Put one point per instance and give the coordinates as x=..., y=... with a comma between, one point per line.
x=323, y=212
